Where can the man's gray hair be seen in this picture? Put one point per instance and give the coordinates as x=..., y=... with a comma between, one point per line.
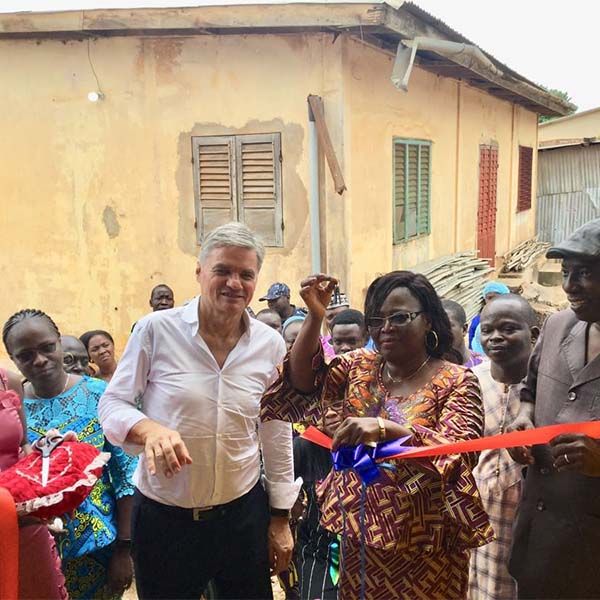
x=233, y=234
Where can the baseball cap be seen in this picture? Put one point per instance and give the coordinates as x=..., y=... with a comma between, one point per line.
x=276, y=291
x=583, y=242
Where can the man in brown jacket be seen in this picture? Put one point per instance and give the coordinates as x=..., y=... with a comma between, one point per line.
x=557, y=534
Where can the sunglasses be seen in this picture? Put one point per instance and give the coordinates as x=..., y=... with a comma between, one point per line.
x=399, y=319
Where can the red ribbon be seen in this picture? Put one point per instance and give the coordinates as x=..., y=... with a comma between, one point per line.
x=530, y=437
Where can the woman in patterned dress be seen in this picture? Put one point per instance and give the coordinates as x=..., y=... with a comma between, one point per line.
x=95, y=548
x=408, y=534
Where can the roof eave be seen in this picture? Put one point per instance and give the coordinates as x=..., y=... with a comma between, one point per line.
x=376, y=22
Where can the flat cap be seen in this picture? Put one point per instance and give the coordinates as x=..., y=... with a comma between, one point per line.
x=583, y=242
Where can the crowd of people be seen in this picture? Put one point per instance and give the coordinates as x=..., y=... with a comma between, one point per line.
x=210, y=488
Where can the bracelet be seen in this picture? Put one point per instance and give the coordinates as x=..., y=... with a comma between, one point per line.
x=123, y=543
x=280, y=512
x=381, y=424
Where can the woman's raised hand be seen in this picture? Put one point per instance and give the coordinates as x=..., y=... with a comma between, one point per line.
x=316, y=292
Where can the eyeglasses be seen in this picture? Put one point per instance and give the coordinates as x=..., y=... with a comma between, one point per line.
x=70, y=359
x=399, y=319
x=28, y=355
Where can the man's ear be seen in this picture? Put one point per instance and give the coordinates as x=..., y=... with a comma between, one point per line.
x=535, y=334
x=198, y=269
x=465, y=328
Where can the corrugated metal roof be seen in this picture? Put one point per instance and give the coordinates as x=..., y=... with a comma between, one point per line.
x=444, y=28
x=568, y=190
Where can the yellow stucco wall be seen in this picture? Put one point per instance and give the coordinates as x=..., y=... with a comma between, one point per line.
x=97, y=199
x=587, y=124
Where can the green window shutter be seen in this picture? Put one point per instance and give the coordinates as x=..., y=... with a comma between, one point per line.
x=214, y=183
x=399, y=188
x=423, y=220
x=412, y=190
x=258, y=161
x=411, y=167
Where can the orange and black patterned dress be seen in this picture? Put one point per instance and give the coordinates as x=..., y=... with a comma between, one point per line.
x=420, y=517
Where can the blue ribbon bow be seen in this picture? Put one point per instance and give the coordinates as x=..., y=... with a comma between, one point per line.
x=362, y=458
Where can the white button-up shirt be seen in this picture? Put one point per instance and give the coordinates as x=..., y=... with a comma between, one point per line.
x=168, y=374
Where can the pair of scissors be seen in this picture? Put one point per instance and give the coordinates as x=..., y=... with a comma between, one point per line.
x=45, y=445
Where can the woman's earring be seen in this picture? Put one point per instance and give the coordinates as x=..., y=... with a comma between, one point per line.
x=430, y=347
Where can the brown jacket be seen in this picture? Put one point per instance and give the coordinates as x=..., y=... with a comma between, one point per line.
x=556, y=540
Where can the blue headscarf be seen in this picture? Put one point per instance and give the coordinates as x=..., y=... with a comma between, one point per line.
x=293, y=319
x=489, y=288
x=495, y=287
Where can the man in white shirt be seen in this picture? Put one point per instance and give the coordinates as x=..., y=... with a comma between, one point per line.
x=186, y=394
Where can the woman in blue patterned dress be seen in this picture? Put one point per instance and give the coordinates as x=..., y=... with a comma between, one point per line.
x=95, y=548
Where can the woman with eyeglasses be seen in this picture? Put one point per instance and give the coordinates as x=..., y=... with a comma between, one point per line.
x=419, y=518
x=95, y=548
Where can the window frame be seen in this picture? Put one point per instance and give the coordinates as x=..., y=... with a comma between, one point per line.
x=403, y=237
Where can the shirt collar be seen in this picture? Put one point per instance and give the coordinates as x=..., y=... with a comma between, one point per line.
x=190, y=315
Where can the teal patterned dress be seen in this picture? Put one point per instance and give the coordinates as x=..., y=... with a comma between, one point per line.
x=87, y=546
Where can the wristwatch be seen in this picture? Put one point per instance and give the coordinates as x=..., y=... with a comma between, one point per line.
x=280, y=512
x=123, y=543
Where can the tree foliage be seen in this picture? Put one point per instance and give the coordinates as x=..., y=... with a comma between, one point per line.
x=563, y=96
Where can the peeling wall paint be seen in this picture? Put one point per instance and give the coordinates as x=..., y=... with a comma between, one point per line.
x=111, y=223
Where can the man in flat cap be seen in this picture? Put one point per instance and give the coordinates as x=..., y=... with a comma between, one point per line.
x=557, y=533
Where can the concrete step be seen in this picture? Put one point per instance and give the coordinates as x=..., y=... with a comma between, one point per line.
x=550, y=273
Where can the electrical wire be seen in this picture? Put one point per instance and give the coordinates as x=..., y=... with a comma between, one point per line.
x=92, y=66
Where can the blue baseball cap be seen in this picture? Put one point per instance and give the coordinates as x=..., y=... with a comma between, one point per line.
x=276, y=291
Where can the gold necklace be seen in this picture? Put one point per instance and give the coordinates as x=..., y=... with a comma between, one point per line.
x=402, y=379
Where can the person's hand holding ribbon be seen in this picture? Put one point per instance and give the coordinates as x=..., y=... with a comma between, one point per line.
x=523, y=422
x=576, y=452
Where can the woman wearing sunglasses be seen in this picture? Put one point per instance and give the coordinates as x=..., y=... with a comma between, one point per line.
x=419, y=518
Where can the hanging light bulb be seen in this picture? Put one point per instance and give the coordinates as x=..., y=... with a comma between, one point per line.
x=95, y=96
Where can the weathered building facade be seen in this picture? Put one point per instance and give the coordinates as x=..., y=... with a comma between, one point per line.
x=201, y=116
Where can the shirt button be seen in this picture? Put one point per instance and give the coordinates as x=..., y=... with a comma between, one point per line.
x=497, y=472
x=572, y=396
x=540, y=506
x=544, y=470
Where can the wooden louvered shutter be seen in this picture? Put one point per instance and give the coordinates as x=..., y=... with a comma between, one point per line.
x=411, y=198
x=214, y=183
x=423, y=217
x=525, y=176
x=399, y=186
x=412, y=164
x=258, y=161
